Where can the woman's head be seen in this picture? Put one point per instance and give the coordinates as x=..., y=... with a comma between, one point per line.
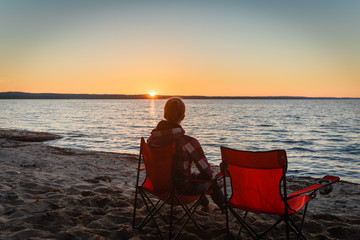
x=174, y=110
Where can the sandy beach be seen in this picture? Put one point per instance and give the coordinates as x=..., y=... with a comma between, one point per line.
x=61, y=193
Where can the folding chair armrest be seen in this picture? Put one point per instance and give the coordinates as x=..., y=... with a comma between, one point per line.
x=220, y=173
x=325, y=181
x=302, y=191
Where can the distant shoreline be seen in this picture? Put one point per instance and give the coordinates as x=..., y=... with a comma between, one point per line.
x=24, y=95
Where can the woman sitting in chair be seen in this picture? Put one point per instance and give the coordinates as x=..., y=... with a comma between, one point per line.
x=170, y=130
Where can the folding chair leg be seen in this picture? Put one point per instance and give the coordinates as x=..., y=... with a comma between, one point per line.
x=237, y=237
x=287, y=228
x=153, y=209
x=251, y=232
x=134, y=213
x=196, y=204
x=227, y=220
x=136, y=189
x=296, y=230
x=147, y=218
x=189, y=213
x=269, y=229
x=303, y=217
x=171, y=214
x=152, y=217
x=190, y=216
x=156, y=210
x=299, y=234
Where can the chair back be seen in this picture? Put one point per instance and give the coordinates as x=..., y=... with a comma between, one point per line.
x=158, y=164
x=256, y=179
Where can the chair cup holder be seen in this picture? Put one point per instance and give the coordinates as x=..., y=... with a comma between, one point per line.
x=327, y=188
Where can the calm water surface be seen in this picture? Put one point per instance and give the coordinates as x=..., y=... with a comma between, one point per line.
x=320, y=136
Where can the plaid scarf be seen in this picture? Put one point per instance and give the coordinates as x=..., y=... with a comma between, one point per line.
x=167, y=132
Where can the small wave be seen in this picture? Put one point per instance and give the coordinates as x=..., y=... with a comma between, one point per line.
x=317, y=131
x=75, y=134
x=265, y=125
x=210, y=145
x=279, y=130
x=336, y=140
x=134, y=147
x=351, y=149
x=138, y=126
x=302, y=149
x=301, y=142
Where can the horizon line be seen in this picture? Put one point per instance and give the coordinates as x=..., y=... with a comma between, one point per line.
x=28, y=95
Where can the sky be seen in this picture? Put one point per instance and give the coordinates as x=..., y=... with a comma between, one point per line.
x=210, y=48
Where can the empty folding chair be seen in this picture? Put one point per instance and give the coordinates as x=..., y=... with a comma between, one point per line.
x=258, y=185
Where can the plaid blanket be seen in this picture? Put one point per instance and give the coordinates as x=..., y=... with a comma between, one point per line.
x=164, y=134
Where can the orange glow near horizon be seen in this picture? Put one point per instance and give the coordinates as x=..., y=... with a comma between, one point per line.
x=184, y=81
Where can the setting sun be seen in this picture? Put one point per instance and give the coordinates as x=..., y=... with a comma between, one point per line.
x=152, y=94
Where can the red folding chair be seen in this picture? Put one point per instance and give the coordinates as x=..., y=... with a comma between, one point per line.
x=159, y=183
x=258, y=184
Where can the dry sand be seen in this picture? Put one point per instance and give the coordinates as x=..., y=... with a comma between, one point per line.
x=61, y=193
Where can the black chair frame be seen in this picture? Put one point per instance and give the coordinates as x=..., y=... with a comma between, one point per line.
x=153, y=208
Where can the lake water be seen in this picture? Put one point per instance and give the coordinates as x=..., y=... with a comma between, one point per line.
x=320, y=136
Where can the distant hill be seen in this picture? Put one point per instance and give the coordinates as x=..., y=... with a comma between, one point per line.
x=23, y=95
